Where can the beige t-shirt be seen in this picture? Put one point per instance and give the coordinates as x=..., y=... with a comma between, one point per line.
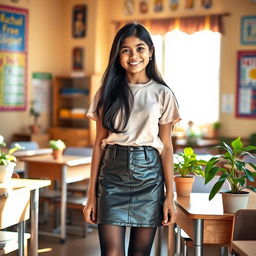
x=154, y=104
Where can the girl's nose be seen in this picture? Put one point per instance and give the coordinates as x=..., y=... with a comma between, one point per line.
x=133, y=55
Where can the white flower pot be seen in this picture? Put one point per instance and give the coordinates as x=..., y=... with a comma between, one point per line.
x=234, y=202
x=6, y=172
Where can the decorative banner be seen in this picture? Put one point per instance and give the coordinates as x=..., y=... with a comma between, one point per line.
x=207, y=4
x=174, y=4
x=128, y=7
x=246, y=84
x=158, y=5
x=13, y=57
x=189, y=4
x=143, y=6
x=79, y=21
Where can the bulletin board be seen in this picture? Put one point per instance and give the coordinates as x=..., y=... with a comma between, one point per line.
x=13, y=58
x=246, y=84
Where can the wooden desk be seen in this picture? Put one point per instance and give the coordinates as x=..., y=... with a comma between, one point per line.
x=17, y=196
x=244, y=248
x=67, y=170
x=202, y=143
x=204, y=221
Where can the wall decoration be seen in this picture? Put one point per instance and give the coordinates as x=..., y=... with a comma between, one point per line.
x=248, y=30
x=78, y=58
x=207, y=4
x=158, y=5
x=174, y=4
x=143, y=6
x=246, y=84
x=189, y=4
x=128, y=7
x=79, y=21
x=13, y=58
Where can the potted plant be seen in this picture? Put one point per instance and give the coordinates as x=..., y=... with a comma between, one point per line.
x=57, y=146
x=7, y=160
x=185, y=169
x=216, y=128
x=233, y=170
x=34, y=128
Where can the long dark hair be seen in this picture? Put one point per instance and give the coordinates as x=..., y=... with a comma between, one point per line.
x=116, y=96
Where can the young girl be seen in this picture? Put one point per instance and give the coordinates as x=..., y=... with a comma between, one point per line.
x=132, y=156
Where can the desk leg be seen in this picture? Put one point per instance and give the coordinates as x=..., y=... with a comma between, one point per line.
x=34, y=222
x=21, y=231
x=63, y=205
x=178, y=241
x=199, y=237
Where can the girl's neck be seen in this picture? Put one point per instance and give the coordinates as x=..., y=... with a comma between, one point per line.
x=135, y=79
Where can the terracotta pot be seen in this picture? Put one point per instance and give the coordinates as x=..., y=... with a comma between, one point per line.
x=57, y=154
x=234, y=202
x=34, y=128
x=6, y=172
x=184, y=185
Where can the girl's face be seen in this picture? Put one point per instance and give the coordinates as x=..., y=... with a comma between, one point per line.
x=134, y=56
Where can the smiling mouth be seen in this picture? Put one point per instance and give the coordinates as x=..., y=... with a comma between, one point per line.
x=135, y=63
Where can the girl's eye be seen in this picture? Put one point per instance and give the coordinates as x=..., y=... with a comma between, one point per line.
x=124, y=51
x=140, y=49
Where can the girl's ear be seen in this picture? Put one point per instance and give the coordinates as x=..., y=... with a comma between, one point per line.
x=151, y=52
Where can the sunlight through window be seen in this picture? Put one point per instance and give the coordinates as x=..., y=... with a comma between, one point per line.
x=190, y=66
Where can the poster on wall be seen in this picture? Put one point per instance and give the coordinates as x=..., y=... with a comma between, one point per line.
x=246, y=84
x=248, y=30
x=79, y=21
x=41, y=87
x=13, y=57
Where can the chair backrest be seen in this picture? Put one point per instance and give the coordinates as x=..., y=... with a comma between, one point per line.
x=244, y=225
x=28, y=145
x=78, y=151
x=200, y=187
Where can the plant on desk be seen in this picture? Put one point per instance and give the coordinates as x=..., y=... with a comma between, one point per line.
x=233, y=169
x=57, y=146
x=188, y=165
x=34, y=128
x=7, y=160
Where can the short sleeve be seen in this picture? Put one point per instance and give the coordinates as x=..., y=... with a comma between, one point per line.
x=91, y=113
x=169, y=108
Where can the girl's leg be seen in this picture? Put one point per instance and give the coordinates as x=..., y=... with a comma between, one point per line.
x=112, y=240
x=141, y=240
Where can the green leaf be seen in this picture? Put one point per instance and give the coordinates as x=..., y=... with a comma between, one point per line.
x=249, y=175
x=188, y=151
x=227, y=148
x=237, y=144
x=249, y=148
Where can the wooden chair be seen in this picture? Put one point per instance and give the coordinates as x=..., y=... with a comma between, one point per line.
x=244, y=226
x=76, y=203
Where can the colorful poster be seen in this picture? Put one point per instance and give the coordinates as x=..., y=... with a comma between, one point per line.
x=128, y=7
x=189, y=4
x=174, y=4
x=207, y=4
x=158, y=5
x=79, y=21
x=246, y=89
x=143, y=6
x=13, y=57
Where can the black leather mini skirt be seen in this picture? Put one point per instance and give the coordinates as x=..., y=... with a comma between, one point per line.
x=130, y=189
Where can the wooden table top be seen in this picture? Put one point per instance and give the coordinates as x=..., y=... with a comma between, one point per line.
x=244, y=248
x=30, y=184
x=65, y=160
x=198, y=206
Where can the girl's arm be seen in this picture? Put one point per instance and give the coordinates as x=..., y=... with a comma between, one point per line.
x=166, y=156
x=90, y=207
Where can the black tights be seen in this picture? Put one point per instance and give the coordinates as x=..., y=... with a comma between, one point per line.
x=112, y=240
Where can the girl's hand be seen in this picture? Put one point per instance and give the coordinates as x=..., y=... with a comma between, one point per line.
x=169, y=211
x=89, y=211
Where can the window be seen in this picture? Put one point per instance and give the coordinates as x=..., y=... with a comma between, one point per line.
x=190, y=66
